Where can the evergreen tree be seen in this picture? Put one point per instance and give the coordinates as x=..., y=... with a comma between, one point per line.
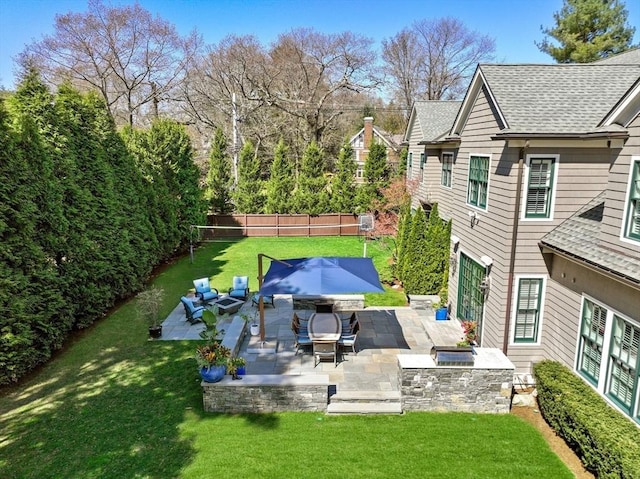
x=437, y=252
x=248, y=195
x=311, y=196
x=444, y=289
x=343, y=187
x=280, y=183
x=402, y=167
x=219, y=180
x=376, y=175
x=588, y=30
x=404, y=228
x=415, y=252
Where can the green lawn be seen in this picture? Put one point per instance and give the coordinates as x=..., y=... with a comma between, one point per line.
x=114, y=405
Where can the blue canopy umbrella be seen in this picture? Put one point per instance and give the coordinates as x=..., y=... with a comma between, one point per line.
x=321, y=275
x=315, y=276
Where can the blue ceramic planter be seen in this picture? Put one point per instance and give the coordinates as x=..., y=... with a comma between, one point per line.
x=241, y=371
x=213, y=374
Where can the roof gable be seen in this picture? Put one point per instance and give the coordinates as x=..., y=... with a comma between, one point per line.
x=550, y=99
x=433, y=117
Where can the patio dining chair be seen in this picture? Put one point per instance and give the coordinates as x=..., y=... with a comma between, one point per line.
x=325, y=350
x=348, y=340
x=348, y=323
x=301, y=341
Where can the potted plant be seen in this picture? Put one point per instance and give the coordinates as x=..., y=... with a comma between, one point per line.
x=470, y=330
x=236, y=367
x=254, y=327
x=148, y=304
x=212, y=359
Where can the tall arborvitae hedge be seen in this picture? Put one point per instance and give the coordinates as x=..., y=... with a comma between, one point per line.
x=281, y=181
x=402, y=237
x=219, y=177
x=81, y=223
x=311, y=195
x=248, y=195
x=415, y=253
x=343, y=186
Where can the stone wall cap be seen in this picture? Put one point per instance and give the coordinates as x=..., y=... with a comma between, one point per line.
x=273, y=380
x=484, y=358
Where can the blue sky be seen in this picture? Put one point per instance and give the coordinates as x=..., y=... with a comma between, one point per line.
x=514, y=24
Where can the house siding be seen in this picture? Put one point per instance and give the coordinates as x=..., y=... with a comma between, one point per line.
x=491, y=235
x=618, y=182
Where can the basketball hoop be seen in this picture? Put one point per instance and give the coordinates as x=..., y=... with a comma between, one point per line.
x=365, y=224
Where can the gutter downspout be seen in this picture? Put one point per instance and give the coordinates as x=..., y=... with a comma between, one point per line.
x=512, y=254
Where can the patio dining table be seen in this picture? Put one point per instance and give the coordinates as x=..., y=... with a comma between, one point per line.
x=324, y=327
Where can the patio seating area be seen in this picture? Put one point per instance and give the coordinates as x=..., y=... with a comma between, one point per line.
x=383, y=333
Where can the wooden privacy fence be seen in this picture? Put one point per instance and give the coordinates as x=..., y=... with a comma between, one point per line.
x=239, y=225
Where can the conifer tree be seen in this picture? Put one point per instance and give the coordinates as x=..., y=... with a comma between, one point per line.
x=281, y=182
x=219, y=179
x=343, y=186
x=248, y=195
x=588, y=30
x=376, y=175
x=434, y=261
x=402, y=238
x=414, y=257
x=311, y=196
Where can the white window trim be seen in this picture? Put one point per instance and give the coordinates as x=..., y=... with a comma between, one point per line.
x=627, y=203
x=514, y=309
x=466, y=191
x=525, y=187
x=453, y=157
x=603, y=382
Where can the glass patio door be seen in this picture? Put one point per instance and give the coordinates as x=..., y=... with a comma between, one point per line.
x=470, y=297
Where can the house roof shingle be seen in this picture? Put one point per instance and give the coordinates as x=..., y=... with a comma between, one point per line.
x=558, y=99
x=578, y=237
x=436, y=117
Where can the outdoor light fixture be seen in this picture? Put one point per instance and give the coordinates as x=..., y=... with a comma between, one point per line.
x=473, y=217
x=484, y=285
x=455, y=240
x=487, y=261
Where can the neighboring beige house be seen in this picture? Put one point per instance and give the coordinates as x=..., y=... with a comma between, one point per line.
x=540, y=173
x=361, y=141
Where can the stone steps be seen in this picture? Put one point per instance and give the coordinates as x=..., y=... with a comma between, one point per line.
x=365, y=402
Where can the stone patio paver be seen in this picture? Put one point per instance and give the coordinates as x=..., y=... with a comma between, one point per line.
x=384, y=333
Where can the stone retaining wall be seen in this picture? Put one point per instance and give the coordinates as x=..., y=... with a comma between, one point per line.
x=484, y=388
x=341, y=302
x=266, y=394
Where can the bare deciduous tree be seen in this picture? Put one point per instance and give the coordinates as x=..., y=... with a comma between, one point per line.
x=133, y=59
x=310, y=71
x=434, y=59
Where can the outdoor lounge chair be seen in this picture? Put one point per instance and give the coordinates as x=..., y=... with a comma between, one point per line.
x=240, y=288
x=204, y=291
x=268, y=299
x=193, y=313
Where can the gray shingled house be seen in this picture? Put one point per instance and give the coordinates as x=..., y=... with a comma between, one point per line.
x=540, y=173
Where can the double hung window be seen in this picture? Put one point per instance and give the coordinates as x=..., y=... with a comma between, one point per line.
x=540, y=181
x=478, y=181
x=529, y=303
x=632, y=223
x=608, y=355
x=447, y=169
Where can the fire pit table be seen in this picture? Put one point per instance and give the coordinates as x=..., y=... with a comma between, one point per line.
x=227, y=305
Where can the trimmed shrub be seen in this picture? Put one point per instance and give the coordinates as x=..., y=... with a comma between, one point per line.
x=606, y=441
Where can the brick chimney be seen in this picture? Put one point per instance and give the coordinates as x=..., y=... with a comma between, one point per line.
x=368, y=131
